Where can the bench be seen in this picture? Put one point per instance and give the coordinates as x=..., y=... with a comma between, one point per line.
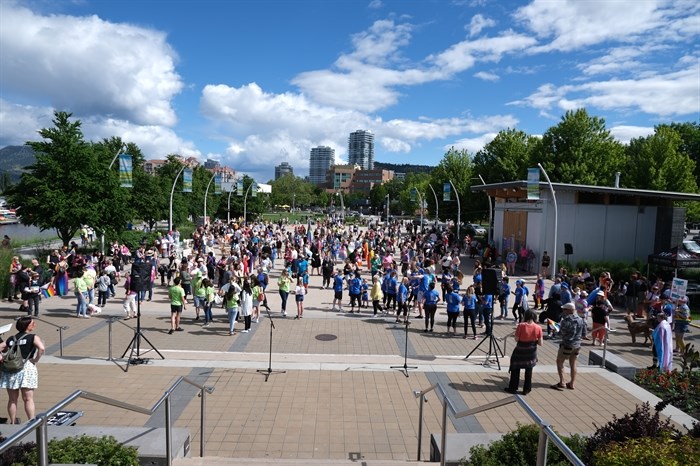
x=613, y=362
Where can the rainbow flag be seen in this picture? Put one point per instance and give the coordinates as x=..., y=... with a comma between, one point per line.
x=553, y=324
x=48, y=291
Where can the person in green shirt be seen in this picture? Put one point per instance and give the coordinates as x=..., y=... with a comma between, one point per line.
x=178, y=300
x=81, y=293
x=231, y=292
x=284, y=283
x=209, y=294
x=199, y=292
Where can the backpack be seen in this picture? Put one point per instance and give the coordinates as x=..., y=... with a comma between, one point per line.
x=13, y=360
x=113, y=279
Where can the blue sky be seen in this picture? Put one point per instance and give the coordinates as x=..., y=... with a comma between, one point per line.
x=254, y=83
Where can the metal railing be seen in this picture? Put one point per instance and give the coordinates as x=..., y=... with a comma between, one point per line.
x=40, y=423
x=546, y=431
x=60, y=330
x=110, y=321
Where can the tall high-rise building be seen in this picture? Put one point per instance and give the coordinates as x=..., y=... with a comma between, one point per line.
x=361, y=149
x=283, y=169
x=322, y=158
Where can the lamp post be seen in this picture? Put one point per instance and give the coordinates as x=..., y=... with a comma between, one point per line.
x=111, y=164
x=488, y=236
x=342, y=204
x=245, y=202
x=206, y=193
x=388, y=200
x=294, y=200
x=421, y=200
x=556, y=220
x=228, y=206
x=437, y=217
x=172, y=191
x=459, y=210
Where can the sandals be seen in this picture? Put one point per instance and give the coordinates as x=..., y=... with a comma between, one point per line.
x=569, y=386
x=557, y=386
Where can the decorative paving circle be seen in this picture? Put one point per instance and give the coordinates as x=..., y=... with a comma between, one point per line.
x=326, y=337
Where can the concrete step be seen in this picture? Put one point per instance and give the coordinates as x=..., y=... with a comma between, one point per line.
x=218, y=461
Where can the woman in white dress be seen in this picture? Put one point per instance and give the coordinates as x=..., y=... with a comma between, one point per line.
x=246, y=305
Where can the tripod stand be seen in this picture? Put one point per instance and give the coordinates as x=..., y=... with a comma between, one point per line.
x=405, y=366
x=135, y=343
x=268, y=372
x=494, y=347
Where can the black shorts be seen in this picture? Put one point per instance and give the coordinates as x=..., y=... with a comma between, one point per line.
x=175, y=308
x=338, y=295
x=354, y=299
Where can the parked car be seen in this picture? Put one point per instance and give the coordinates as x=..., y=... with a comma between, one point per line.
x=475, y=229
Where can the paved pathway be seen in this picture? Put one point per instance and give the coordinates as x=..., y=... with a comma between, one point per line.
x=339, y=398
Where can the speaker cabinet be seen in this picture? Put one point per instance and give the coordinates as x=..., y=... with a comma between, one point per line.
x=140, y=276
x=568, y=249
x=491, y=281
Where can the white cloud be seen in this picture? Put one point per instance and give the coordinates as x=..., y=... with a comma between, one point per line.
x=478, y=24
x=625, y=134
x=486, y=76
x=375, y=4
x=260, y=125
x=20, y=123
x=672, y=94
x=88, y=66
x=472, y=145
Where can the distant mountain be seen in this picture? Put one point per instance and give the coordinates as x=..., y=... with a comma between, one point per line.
x=14, y=160
x=403, y=168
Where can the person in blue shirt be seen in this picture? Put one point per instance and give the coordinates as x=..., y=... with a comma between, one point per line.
x=338, y=282
x=390, y=285
x=402, y=298
x=365, y=293
x=519, y=296
x=469, y=303
x=430, y=300
x=503, y=298
x=452, y=299
x=354, y=289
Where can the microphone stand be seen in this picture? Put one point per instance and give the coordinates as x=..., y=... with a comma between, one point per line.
x=268, y=372
x=494, y=347
x=135, y=343
x=405, y=366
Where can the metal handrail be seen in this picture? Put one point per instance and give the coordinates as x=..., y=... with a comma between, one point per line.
x=505, y=341
x=60, y=329
x=40, y=423
x=546, y=431
x=110, y=321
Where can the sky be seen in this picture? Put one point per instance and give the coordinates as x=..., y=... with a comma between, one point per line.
x=253, y=83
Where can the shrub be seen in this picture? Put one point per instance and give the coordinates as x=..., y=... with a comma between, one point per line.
x=104, y=451
x=650, y=451
x=17, y=455
x=641, y=423
x=519, y=448
x=680, y=388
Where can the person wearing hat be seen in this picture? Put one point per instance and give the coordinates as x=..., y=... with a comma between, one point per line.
x=571, y=331
x=663, y=343
x=582, y=308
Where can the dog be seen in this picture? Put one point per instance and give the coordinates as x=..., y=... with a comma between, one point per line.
x=92, y=309
x=636, y=328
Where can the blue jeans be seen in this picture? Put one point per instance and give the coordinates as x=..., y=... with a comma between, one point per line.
x=232, y=314
x=284, y=295
x=487, y=311
x=207, y=313
x=81, y=306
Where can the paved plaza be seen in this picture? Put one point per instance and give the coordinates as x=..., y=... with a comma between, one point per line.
x=339, y=397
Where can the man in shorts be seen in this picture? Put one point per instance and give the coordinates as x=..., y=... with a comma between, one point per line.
x=572, y=329
x=177, y=303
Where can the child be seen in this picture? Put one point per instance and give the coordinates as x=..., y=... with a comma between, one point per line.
x=365, y=293
x=503, y=298
x=300, y=291
x=305, y=281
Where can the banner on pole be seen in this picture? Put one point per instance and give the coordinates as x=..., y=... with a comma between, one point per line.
x=187, y=180
x=446, y=191
x=239, y=187
x=125, y=171
x=533, y=184
x=254, y=189
x=217, y=183
x=413, y=194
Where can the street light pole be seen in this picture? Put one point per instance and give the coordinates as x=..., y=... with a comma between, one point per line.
x=490, y=233
x=206, y=193
x=556, y=221
x=111, y=164
x=388, y=200
x=172, y=191
x=437, y=217
x=459, y=211
x=228, y=206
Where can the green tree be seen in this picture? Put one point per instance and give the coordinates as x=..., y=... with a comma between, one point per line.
x=690, y=142
x=455, y=166
x=63, y=189
x=506, y=158
x=292, y=191
x=657, y=162
x=579, y=150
